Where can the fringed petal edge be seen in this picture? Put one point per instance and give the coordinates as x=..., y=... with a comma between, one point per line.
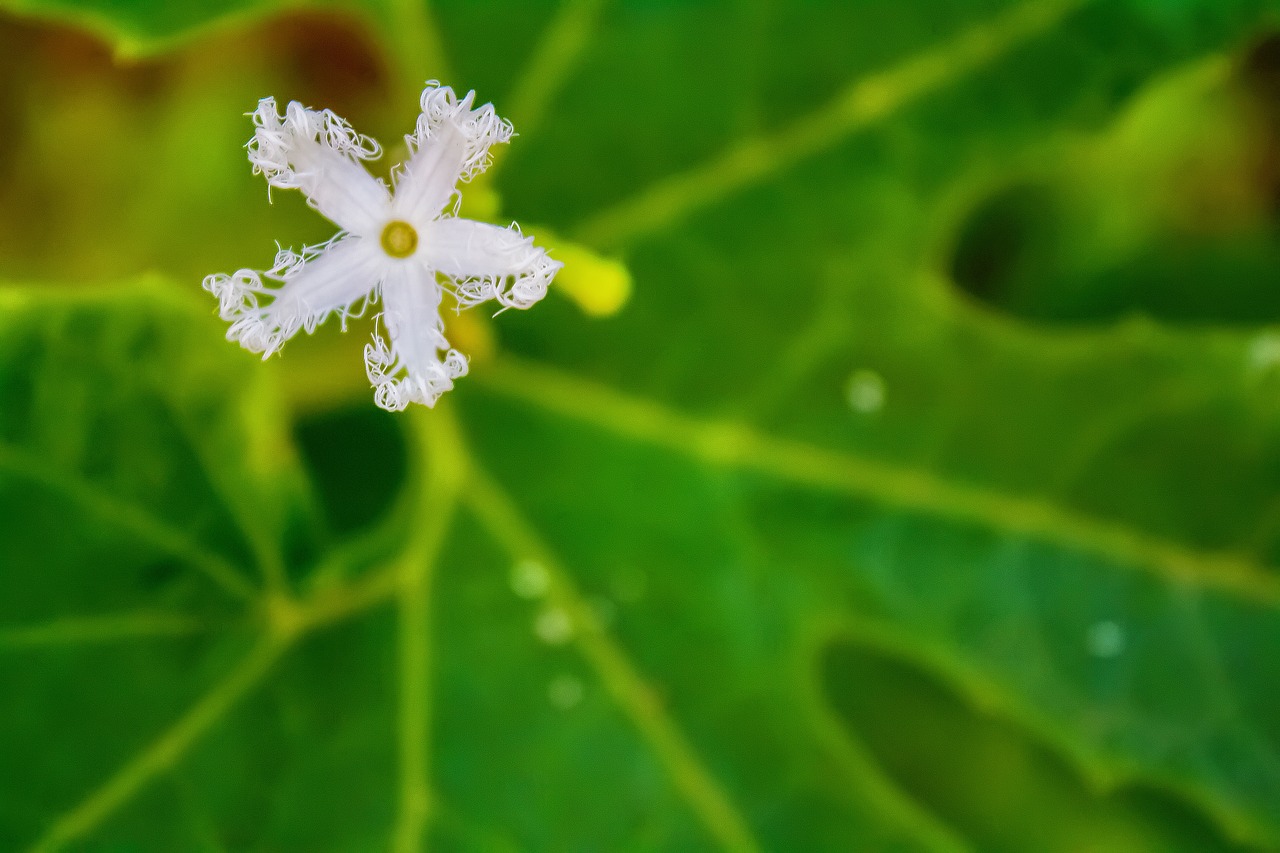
x=480, y=127
x=263, y=327
x=395, y=386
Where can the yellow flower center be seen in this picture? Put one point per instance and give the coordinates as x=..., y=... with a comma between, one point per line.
x=399, y=240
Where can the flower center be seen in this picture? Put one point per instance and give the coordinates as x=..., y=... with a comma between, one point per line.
x=399, y=240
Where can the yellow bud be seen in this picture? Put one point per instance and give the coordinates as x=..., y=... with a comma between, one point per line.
x=599, y=285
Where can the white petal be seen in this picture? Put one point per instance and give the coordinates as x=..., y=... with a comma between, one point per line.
x=317, y=152
x=429, y=176
x=488, y=262
x=411, y=369
x=322, y=280
x=451, y=143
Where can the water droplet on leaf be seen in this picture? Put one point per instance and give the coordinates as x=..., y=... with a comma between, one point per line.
x=865, y=392
x=529, y=579
x=565, y=691
x=1264, y=352
x=553, y=626
x=1105, y=639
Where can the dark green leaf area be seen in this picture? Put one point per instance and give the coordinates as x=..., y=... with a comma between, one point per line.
x=75, y=712
x=125, y=469
x=115, y=448
x=307, y=762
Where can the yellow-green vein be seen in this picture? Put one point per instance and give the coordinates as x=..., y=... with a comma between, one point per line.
x=439, y=463
x=859, y=105
x=552, y=61
x=166, y=750
x=103, y=628
x=737, y=445
x=701, y=791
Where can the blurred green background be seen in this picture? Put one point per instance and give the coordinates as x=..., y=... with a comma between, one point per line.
x=919, y=493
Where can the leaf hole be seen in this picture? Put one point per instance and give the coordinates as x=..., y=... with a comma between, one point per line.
x=1169, y=211
x=1258, y=77
x=998, y=240
x=988, y=779
x=356, y=458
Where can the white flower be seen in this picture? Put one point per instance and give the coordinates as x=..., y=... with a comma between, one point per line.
x=397, y=243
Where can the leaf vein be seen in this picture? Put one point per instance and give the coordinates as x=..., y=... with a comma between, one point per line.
x=708, y=800
x=105, y=628
x=166, y=750
x=441, y=464
x=860, y=105
x=730, y=444
x=131, y=518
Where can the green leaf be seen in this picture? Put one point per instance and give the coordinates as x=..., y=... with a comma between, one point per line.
x=920, y=498
x=138, y=28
